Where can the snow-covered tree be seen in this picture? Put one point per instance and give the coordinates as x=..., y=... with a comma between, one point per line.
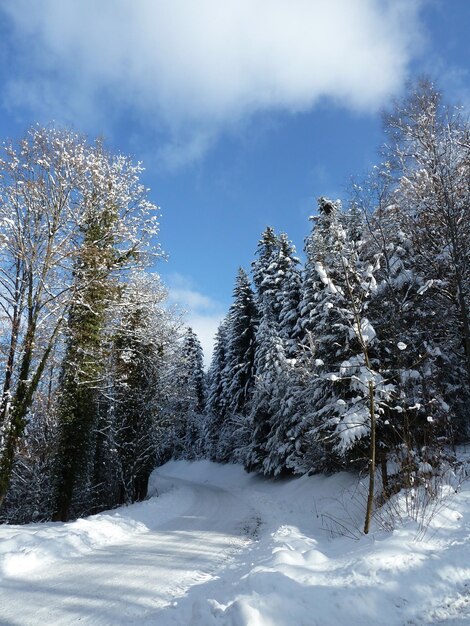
x=238, y=373
x=189, y=406
x=336, y=398
x=82, y=369
x=289, y=295
x=48, y=184
x=268, y=357
x=113, y=235
x=232, y=376
x=216, y=404
x=429, y=155
x=277, y=282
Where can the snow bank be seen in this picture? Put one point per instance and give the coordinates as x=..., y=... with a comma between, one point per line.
x=24, y=548
x=303, y=562
x=310, y=565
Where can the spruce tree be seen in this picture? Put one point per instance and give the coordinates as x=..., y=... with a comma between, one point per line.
x=237, y=377
x=189, y=407
x=289, y=295
x=216, y=404
x=277, y=280
x=239, y=372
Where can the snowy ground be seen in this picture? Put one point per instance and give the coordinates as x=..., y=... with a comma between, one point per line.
x=219, y=547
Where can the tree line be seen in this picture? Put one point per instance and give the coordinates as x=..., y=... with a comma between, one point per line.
x=88, y=347
x=358, y=358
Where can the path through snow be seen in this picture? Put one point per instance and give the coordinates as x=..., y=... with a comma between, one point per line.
x=223, y=548
x=129, y=582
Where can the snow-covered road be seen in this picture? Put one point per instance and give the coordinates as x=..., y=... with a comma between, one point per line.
x=131, y=582
x=219, y=547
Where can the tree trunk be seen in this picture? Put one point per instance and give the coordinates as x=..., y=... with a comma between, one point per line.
x=370, y=497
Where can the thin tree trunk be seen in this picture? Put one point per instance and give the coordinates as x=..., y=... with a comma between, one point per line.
x=19, y=409
x=370, y=497
x=384, y=472
x=372, y=415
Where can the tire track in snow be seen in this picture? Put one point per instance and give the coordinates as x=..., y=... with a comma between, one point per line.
x=131, y=582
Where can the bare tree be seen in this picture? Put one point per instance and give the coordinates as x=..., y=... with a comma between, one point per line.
x=49, y=185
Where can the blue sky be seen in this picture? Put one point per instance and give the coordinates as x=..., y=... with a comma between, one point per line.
x=243, y=111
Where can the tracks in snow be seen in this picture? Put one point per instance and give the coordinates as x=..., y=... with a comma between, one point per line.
x=137, y=581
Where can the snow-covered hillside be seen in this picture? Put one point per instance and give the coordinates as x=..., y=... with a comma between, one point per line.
x=219, y=547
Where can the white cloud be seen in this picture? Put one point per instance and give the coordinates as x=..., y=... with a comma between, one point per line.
x=205, y=327
x=197, y=67
x=202, y=313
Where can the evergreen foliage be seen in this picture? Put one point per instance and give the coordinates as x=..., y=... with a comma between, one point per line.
x=359, y=359
x=189, y=405
x=83, y=360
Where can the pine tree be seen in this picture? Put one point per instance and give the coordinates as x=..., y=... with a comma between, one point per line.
x=239, y=373
x=277, y=279
x=237, y=376
x=334, y=418
x=289, y=295
x=216, y=405
x=268, y=356
x=267, y=278
x=189, y=408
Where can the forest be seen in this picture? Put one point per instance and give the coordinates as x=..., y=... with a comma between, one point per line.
x=356, y=359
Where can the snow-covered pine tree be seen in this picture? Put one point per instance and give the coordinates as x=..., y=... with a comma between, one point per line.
x=241, y=323
x=278, y=349
x=336, y=400
x=269, y=355
x=276, y=278
x=189, y=407
x=285, y=394
x=289, y=295
x=265, y=273
x=429, y=153
x=216, y=402
x=239, y=371
x=267, y=280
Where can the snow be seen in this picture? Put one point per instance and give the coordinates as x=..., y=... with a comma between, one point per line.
x=367, y=331
x=324, y=277
x=220, y=547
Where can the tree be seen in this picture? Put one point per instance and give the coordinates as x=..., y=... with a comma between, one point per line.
x=216, y=404
x=289, y=295
x=142, y=344
x=408, y=353
x=40, y=214
x=189, y=407
x=268, y=358
x=232, y=376
x=82, y=367
x=277, y=280
x=239, y=373
x=429, y=160
x=115, y=230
